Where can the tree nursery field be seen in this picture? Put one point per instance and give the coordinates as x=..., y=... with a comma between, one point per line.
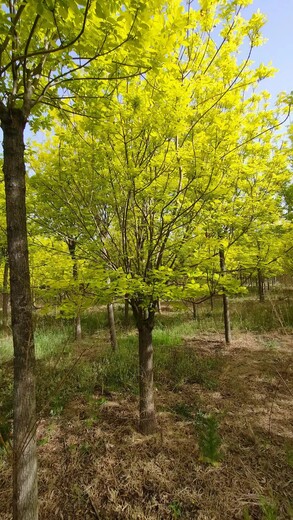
x=224, y=443
x=146, y=260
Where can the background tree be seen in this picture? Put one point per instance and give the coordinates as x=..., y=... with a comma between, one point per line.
x=45, y=49
x=158, y=159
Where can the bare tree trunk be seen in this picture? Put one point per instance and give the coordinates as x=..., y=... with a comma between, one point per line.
x=227, y=322
x=112, y=328
x=226, y=310
x=212, y=302
x=194, y=310
x=147, y=414
x=78, y=333
x=260, y=284
x=147, y=420
x=72, y=251
x=5, y=298
x=25, y=493
x=159, y=308
x=126, y=310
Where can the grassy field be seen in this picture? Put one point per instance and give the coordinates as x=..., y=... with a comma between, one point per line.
x=224, y=446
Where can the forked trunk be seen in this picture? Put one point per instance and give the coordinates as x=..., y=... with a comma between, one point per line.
x=112, y=328
x=25, y=498
x=5, y=299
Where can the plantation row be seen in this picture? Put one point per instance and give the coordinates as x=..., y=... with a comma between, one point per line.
x=163, y=174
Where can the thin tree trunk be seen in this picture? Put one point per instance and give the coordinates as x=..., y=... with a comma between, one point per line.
x=5, y=298
x=126, y=310
x=227, y=321
x=78, y=333
x=112, y=328
x=212, y=302
x=260, y=284
x=159, y=308
x=226, y=310
x=77, y=320
x=25, y=495
x=144, y=319
x=194, y=310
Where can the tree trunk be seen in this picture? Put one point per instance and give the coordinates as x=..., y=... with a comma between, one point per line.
x=159, y=308
x=25, y=497
x=126, y=310
x=5, y=299
x=77, y=320
x=227, y=321
x=226, y=310
x=112, y=328
x=194, y=310
x=144, y=319
x=78, y=334
x=147, y=415
x=260, y=283
x=212, y=302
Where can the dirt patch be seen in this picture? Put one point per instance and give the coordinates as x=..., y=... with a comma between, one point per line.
x=94, y=464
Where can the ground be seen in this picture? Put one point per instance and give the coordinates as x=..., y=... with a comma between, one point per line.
x=93, y=463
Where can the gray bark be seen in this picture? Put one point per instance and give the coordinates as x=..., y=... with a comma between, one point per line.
x=25, y=489
x=5, y=299
x=145, y=324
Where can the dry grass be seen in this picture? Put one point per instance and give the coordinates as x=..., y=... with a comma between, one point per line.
x=94, y=463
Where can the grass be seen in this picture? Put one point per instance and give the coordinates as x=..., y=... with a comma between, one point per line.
x=49, y=341
x=247, y=314
x=87, y=402
x=175, y=363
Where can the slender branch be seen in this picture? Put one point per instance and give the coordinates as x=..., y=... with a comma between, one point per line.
x=44, y=51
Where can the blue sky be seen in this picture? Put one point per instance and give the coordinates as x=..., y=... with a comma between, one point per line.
x=279, y=47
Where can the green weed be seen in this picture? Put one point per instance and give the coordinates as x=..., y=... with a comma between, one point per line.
x=209, y=439
x=176, y=509
x=118, y=371
x=50, y=341
x=289, y=455
x=183, y=410
x=178, y=366
x=246, y=515
x=269, y=509
x=166, y=337
x=6, y=348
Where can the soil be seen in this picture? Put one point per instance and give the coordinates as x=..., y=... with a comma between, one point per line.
x=99, y=466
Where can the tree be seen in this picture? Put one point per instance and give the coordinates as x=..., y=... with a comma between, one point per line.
x=46, y=48
x=159, y=159
x=4, y=261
